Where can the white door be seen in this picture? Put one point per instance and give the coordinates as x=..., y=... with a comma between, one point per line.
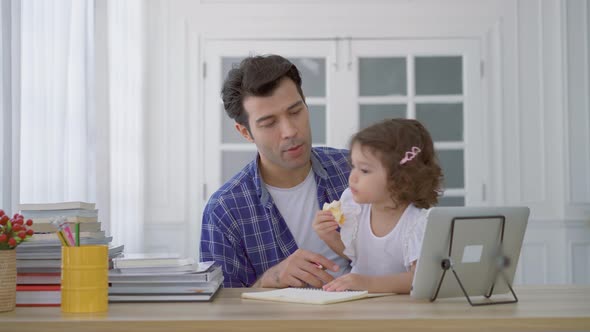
x=350, y=84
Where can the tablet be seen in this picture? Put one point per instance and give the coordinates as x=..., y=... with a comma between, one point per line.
x=480, y=238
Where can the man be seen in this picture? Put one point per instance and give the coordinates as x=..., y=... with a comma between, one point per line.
x=258, y=225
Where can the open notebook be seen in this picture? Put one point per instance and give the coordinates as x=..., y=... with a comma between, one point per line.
x=306, y=295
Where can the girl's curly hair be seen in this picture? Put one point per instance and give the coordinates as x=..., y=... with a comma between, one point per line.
x=417, y=181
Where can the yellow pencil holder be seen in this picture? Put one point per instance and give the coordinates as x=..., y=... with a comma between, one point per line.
x=84, y=279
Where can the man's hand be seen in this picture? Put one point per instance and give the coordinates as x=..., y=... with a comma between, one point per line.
x=301, y=269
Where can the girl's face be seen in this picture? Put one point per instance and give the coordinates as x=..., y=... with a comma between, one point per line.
x=368, y=177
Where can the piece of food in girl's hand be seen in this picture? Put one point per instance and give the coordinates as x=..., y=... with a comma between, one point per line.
x=335, y=208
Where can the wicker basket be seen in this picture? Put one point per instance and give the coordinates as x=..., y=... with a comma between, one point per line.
x=7, y=280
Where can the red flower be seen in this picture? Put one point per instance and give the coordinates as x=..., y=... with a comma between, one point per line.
x=13, y=231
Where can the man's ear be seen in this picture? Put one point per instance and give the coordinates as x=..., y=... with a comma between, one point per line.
x=244, y=132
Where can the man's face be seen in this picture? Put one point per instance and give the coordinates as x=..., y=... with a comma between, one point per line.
x=279, y=126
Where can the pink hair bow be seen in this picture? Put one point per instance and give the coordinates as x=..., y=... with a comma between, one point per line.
x=410, y=155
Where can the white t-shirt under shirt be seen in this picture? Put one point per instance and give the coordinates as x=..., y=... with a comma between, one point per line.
x=389, y=254
x=298, y=206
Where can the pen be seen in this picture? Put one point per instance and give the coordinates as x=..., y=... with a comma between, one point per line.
x=64, y=229
x=68, y=235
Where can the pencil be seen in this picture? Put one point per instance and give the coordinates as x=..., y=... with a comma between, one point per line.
x=77, y=234
x=62, y=239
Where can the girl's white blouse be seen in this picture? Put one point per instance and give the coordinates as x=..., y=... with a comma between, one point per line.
x=411, y=228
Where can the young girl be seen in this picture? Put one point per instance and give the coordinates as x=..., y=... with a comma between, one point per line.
x=395, y=177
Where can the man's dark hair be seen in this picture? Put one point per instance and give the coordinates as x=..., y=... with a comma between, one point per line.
x=255, y=76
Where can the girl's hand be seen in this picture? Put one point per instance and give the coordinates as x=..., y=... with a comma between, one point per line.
x=326, y=227
x=351, y=281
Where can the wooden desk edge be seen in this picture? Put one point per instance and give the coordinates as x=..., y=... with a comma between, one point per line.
x=419, y=324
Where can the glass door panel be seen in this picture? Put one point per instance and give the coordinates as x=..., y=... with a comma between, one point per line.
x=370, y=114
x=439, y=75
x=382, y=77
x=425, y=80
x=443, y=121
x=317, y=121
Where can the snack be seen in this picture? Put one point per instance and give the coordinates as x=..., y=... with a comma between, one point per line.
x=334, y=207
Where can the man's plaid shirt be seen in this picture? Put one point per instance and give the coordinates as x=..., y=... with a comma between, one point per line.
x=243, y=230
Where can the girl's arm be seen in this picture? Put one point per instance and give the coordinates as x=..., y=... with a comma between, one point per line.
x=338, y=247
x=326, y=227
x=400, y=283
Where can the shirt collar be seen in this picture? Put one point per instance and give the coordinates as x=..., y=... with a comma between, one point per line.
x=316, y=166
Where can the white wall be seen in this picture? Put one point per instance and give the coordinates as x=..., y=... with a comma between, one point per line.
x=536, y=56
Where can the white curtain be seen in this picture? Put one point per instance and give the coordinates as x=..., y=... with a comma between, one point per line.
x=56, y=136
x=125, y=43
x=5, y=107
x=69, y=148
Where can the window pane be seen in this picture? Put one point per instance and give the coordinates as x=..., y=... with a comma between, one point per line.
x=451, y=162
x=313, y=75
x=439, y=75
x=228, y=130
x=370, y=114
x=233, y=161
x=451, y=201
x=382, y=76
x=443, y=121
x=317, y=119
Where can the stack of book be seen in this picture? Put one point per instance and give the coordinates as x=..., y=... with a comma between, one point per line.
x=38, y=260
x=38, y=290
x=160, y=278
x=83, y=213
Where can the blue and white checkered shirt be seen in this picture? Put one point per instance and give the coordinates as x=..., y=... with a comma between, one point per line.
x=242, y=228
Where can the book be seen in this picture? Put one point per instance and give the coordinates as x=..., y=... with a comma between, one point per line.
x=162, y=298
x=38, y=278
x=150, y=260
x=57, y=206
x=165, y=277
x=43, y=225
x=305, y=295
x=36, y=214
x=55, y=242
x=38, y=295
x=191, y=268
x=177, y=288
x=37, y=263
x=53, y=236
x=52, y=250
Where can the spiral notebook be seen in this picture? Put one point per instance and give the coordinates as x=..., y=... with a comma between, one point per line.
x=307, y=295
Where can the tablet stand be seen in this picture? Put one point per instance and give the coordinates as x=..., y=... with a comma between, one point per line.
x=502, y=263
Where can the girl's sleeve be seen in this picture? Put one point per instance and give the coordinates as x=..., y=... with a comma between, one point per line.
x=349, y=229
x=415, y=237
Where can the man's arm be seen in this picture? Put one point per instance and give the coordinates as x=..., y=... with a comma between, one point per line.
x=216, y=246
x=300, y=269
